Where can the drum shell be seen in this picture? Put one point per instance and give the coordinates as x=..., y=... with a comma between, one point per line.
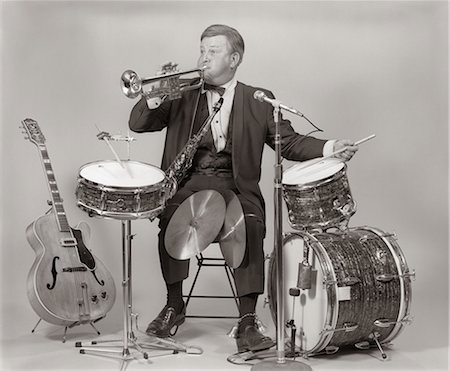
x=321, y=204
x=121, y=202
x=351, y=294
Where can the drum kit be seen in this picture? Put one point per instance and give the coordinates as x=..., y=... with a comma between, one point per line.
x=338, y=286
x=342, y=287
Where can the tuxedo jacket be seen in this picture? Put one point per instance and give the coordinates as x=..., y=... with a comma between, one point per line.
x=253, y=127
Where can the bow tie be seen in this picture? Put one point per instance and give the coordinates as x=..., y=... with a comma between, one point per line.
x=218, y=89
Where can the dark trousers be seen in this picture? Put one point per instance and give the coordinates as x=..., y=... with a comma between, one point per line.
x=249, y=276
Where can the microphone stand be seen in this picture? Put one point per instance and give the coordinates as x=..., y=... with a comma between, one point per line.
x=281, y=362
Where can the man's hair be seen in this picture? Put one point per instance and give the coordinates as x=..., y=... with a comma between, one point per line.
x=233, y=36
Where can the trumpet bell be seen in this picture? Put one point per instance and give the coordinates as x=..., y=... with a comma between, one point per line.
x=131, y=84
x=170, y=84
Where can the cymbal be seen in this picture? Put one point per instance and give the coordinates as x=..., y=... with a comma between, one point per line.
x=195, y=224
x=232, y=237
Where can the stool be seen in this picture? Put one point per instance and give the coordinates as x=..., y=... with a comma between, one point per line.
x=203, y=261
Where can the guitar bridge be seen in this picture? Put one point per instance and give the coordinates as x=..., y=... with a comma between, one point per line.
x=74, y=269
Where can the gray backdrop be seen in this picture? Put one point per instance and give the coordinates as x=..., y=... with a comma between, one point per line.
x=354, y=68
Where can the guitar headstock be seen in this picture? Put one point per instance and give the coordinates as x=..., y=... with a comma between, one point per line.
x=33, y=131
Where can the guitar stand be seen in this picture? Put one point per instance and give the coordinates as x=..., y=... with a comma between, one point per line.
x=71, y=326
x=129, y=341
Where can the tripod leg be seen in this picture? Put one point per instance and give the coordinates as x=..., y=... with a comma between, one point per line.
x=92, y=325
x=34, y=328
x=65, y=333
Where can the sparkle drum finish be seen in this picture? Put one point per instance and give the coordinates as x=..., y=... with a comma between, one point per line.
x=318, y=195
x=360, y=292
x=136, y=190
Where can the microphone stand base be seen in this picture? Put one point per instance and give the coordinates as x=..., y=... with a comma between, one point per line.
x=276, y=365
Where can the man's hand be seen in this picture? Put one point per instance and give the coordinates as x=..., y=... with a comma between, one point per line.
x=349, y=151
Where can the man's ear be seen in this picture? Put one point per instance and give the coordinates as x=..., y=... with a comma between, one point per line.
x=235, y=59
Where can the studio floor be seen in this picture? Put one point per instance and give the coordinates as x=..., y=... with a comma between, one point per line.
x=44, y=350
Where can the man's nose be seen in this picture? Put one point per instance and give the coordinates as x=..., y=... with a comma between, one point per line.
x=205, y=58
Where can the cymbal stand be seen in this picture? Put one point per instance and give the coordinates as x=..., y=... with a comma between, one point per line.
x=129, y=340
x=281, y=362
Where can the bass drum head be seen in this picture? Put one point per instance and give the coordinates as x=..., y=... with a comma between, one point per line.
x=133, y=174
x=312, y=311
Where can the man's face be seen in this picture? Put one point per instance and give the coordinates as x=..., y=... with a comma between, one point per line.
x=216, y=56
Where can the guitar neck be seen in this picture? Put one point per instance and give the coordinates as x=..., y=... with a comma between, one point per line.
x=56, y=199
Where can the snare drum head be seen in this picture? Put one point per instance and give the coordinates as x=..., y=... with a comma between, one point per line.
x=304, y=173
x=132, y=174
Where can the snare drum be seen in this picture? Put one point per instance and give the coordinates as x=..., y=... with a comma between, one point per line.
x=318, y=196
x=360, y=289
x=106, y=189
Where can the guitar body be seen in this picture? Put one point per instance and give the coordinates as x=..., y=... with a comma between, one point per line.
x=62, y=288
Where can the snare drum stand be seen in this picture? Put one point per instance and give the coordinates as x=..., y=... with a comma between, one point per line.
x=281, y=363
x=129, y=340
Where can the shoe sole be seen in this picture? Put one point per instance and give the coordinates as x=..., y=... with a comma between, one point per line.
x=256, y=348
x=168, y=333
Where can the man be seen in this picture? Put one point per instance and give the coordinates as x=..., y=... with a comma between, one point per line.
x=228, y=158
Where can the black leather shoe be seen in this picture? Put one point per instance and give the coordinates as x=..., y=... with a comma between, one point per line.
x=251, y=339
x=166, y=320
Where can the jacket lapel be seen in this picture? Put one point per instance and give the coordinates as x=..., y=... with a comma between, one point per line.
x=238, y=125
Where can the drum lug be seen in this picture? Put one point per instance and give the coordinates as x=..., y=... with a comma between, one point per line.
x=347, y=327
x=386, y=277
x=266, y=302
x=329, y=350
x=384, y=323
x=350, y=281
x=363, y=239
x=390, y=277
x=363, y=345
x=137, y=197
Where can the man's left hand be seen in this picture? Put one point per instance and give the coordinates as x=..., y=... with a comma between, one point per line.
x=349, y=151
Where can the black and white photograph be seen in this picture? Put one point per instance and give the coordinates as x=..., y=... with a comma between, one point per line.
x=224, y=185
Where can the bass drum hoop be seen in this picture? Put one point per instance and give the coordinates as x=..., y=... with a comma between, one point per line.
x=405, y=287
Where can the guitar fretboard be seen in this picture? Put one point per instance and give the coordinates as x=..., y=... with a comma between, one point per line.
x=57, y=203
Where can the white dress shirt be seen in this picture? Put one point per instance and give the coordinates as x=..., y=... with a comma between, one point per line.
x=219, y=126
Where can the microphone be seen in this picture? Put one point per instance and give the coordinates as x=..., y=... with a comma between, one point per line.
x=262, y=97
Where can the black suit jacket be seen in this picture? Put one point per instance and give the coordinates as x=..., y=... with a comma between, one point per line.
x=253, y=126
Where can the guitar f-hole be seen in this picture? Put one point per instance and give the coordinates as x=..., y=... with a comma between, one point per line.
x=54, y=274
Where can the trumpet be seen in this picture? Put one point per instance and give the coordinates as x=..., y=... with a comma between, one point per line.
x=170, y=84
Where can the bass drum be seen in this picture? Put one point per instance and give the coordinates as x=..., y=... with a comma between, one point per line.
x=360, y=289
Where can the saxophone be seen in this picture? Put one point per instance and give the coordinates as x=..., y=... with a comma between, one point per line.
x=176, y=172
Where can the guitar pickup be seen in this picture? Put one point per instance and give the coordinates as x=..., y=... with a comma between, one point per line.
x=68, y=242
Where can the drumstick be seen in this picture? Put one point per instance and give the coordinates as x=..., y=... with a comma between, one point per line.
x=338, y=151
x=113, y=151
